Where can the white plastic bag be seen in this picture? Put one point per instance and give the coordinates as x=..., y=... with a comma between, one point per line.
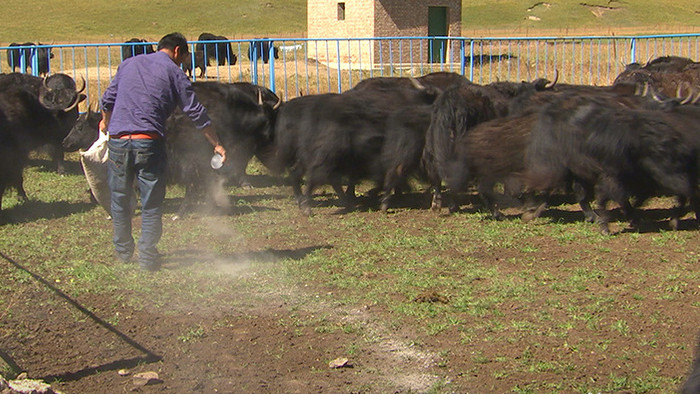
x=94, y=161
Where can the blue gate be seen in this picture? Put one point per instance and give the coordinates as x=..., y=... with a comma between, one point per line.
x=294, y=66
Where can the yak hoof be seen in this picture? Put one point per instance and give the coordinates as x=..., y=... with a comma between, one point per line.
x=532, y=214
x=527, y=217
x=305, y=208
x=634, y=225
x=674, y=223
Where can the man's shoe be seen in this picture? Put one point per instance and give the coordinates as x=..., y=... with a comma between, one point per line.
x=152, y=267
x=124, y=258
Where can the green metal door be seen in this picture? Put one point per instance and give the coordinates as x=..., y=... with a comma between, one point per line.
x=437, y=27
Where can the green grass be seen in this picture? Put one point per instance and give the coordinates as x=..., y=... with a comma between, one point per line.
x=117, y=21
x=572, y=15
x=192, y=334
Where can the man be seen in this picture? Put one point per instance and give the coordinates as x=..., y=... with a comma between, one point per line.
x=144, y=92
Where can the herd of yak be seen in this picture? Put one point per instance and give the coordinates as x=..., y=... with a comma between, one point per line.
x=624, y=143
x=210, y=47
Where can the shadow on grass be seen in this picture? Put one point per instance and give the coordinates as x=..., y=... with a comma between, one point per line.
x=238, y=206
x=70, y=167
x=33, y=210
x=182, y=258
x=262, y=181
x=148, y=356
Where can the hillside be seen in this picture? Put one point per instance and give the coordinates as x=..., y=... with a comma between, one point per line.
x=580, y=17
x=115, y=21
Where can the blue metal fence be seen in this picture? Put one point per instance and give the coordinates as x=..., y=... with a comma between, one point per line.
x=307, y=66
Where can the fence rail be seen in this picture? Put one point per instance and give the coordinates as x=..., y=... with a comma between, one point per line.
x=308, y=66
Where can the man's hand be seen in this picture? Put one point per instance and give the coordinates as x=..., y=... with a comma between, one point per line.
x=104, y=122
x=222, y=151
x=210, y=134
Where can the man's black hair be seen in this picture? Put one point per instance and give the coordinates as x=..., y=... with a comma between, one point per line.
x=173, y=40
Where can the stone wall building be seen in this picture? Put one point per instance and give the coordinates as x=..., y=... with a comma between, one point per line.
x=363, y=20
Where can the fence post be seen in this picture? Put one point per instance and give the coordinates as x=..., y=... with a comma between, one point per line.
x=461, y=55
x=253, y=52
x=35, y=61
x=339, y=73
x=633, y=50
x=271, y=56
x=471, y=60
x=23, y=60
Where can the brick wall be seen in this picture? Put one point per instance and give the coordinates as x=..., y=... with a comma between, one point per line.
x=322, y=19
x=409, y=18
x=322, y=22
x=377, y=18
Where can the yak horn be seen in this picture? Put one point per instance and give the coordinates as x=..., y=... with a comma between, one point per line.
x=637, y=89
x=556, y=78
x=416, y=83
x=260, y=100
x=649, y=60
x=43, y=82
x=655, y=96
x=679, y=91
x=78, y=93
x=83, y=87
x=696, y=99
x=687, y=99
x=277, y=104
x=645, y=90
x=75, y=103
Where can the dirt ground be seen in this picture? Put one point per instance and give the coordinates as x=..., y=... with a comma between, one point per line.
x=253, y=348
x=256, y=346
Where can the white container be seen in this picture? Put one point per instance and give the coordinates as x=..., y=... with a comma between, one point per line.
x=217, y=161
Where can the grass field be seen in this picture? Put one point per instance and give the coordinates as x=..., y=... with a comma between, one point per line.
x=257, y=297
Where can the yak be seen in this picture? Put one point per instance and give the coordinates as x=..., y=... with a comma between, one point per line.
x=220, y=50
x=28, y=51
x=33, y=112
x=136, y=46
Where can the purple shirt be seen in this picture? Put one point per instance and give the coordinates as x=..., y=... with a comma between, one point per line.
x=145, y=91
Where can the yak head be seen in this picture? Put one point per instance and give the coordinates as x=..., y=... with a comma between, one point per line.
x=58, y=93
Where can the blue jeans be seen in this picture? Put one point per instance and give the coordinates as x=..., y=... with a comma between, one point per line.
x=144, y=160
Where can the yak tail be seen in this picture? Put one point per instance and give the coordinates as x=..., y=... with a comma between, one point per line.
x=453, y=115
